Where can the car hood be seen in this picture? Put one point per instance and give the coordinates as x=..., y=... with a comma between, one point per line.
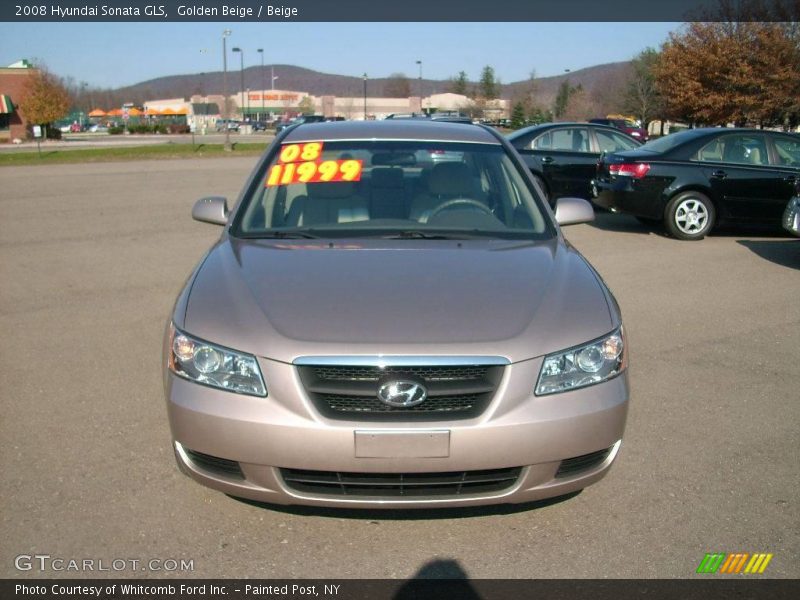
x=286, y=299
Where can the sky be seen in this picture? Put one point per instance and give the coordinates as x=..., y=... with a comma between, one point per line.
x=118, y=54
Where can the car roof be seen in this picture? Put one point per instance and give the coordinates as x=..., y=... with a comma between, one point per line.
x=545, y=126
x=400, y=129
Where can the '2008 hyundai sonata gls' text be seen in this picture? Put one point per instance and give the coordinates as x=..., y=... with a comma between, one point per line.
x=377, y=329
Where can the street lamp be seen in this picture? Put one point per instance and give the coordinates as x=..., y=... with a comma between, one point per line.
x=365, y=96
x=225, y=34
x=263, y=110
x=419, y=62
x=241, y=57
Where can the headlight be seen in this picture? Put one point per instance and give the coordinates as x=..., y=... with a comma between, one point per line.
x=584, y=365
x=214, y=365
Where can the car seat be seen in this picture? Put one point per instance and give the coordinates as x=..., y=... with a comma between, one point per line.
x=327, y=203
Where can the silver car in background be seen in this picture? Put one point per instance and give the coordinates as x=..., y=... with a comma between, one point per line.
x=373, y=331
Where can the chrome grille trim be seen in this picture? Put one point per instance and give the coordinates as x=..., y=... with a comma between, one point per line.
x=379, y=360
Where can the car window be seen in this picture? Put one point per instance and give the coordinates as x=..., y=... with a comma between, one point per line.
x=363, y=188
x=610, y=141
x=572, y=139
x=744, y=149
x=788, y=151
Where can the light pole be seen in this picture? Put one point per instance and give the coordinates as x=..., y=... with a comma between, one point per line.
x=263, y=110
x=225, y=34
x=365, y=96
x=419, y=62
x=241, y=57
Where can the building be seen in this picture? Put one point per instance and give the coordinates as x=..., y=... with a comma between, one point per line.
x=12, y=83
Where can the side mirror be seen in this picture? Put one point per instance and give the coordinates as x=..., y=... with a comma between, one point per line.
x=570, y=211
x=213, y=209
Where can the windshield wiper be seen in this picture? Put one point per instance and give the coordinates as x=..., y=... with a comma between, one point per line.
x=414, y=234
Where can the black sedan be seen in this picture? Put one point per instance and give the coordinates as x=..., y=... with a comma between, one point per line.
x=563, y=156
x=695, y=179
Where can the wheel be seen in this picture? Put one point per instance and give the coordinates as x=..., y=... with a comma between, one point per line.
x=689, y=216
x=460, y=202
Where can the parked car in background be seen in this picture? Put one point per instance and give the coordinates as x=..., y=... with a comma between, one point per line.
x=298, y=120
x=229, y=124
x=98, y=128
x=626, y=125
x=694, y=179
x=563, y=156
x=362, y=335
x=259, y=125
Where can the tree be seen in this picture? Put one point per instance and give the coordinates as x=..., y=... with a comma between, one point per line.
x=397, y=86
x=488, y=87
x=579, y=105
x=43, y=99
x=731, y=71
x=562, y=98
x=642, y=96
x=459, y=84
x=306, y=106
x=518, y=115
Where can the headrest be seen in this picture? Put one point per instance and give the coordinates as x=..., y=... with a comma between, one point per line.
x=387, y=177
x=331, y=189
x=451, y=179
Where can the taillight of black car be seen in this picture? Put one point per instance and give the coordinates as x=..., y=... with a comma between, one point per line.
x=634, y=170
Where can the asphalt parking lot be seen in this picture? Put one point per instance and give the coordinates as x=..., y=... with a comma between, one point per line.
x=91, y=259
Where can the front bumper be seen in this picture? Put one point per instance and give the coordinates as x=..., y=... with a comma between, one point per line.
x=285, y=431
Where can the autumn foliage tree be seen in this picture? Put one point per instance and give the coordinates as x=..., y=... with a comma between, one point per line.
x=44, y=99
x=740, y=72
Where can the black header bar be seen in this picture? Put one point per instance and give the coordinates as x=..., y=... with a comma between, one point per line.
x=709, y=587
x=238, y=11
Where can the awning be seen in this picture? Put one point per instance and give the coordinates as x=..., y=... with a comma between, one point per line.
x=97, y=113
x=134, y=112
x=116, y=112
x=6, y=107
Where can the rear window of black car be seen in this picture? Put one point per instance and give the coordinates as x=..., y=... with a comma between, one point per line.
x=668, y=142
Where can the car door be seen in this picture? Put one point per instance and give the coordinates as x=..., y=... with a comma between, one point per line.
x=742, y=179
x=565, y=159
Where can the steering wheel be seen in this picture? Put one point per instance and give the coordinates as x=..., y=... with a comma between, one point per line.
x=458, y=202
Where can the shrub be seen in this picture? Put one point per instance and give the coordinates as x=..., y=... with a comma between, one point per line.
x=174, y=128
x=116, y=130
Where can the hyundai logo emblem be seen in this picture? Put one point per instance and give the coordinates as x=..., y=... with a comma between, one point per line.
x=402, y=393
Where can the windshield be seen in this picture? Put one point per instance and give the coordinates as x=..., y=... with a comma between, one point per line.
x=391, y=189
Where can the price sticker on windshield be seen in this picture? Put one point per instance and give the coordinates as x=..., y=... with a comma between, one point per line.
x=310, y=151
x=314, y=172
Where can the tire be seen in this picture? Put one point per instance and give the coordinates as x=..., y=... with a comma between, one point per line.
x=689, y=216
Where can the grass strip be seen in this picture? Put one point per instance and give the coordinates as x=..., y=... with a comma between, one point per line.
x=156, y=151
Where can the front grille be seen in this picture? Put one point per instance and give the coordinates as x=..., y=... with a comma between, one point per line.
x=351, y=392
x=214, y=464
x=446, y=373
x=393, y=485
x=573, y=466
